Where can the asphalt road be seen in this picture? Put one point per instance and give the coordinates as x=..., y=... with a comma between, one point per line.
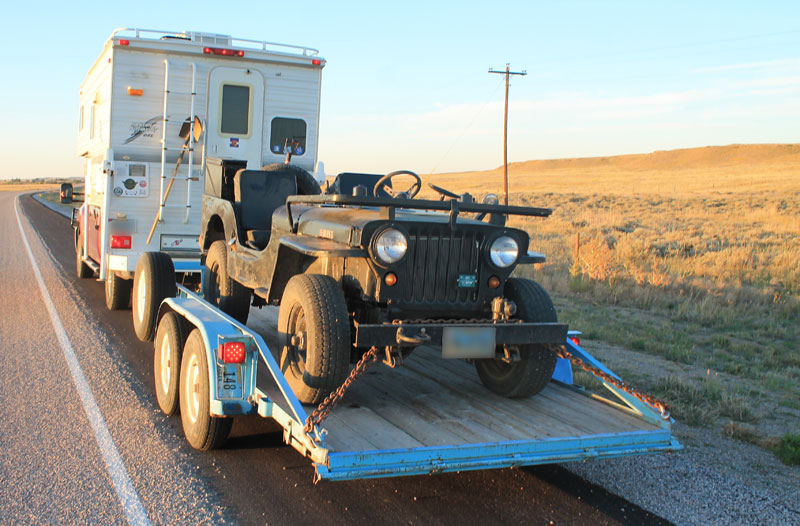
x=120, y=460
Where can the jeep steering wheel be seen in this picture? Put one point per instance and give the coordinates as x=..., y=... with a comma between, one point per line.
x=444, y=193
x=408, y=194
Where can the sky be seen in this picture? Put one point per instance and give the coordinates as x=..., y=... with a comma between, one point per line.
x=406, y=85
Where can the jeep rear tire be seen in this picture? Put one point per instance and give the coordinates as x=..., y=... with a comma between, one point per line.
x=314, y=336
x=220, y=289
x=153, y=281
x=533, y=372
x=118, y=292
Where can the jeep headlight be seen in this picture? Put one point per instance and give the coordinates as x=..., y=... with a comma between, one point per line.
x=504, y=251
x=391, y=245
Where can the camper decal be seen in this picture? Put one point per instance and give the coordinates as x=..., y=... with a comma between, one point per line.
x=143, y=129
x=234, y=142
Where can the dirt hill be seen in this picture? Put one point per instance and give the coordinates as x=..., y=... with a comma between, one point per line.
x=733, y=168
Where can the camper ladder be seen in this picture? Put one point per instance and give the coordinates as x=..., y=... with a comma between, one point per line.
x=188, y=144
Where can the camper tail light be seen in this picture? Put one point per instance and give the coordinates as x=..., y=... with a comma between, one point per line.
x=232, y=352
x=224, y=52
x=120, y=241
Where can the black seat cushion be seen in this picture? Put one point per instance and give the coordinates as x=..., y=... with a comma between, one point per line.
x=256, y=196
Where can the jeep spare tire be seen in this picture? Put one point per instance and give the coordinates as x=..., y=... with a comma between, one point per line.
x=153, y=281
x=533, y=371
x=306, y=184
x=314, y=336
x=220, y=289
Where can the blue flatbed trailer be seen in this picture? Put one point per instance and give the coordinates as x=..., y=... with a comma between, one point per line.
x=430, y=415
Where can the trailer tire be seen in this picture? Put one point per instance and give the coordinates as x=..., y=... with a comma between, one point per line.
x=533, y=372
x=306, y=184
x=118, y=292
x=220, y=289
x=202, y=430
x=168, y=351
x=314, y=336
x=153, y=281
x=83, y=270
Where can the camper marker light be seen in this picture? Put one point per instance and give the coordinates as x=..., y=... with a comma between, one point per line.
x=233, y=352
x=120, y=241
x=316, y=61
x=223, y=52
x=138, y=92
x=124, y=42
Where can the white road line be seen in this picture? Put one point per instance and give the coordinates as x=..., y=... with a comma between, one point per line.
x=126, y=492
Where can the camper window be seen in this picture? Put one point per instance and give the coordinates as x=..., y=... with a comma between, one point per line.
x=235, y=118
x=292, y=129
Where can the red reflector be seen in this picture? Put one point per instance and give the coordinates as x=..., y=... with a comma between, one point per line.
x=233, y=352
x=120, y=241
x=124, y=42
x=223, y=52
x=316, y=61
x=575, y=340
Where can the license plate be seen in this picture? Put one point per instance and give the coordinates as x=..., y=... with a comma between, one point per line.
x=468, y=342
x=229, y=381
x=467, y=281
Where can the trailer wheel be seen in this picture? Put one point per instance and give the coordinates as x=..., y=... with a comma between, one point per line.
x=202, y=430
x=170, y=339
x=314, y=336
x=533, y=372
x=153, y=281
x=220, y=289
x=118, y=292
x=306, y=184
x=83, y=270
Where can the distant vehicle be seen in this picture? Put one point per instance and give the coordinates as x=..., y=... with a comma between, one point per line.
x=153, y=106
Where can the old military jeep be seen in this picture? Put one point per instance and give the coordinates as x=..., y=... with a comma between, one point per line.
x=365, y=266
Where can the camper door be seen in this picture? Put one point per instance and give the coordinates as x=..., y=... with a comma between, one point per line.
x=235, y=115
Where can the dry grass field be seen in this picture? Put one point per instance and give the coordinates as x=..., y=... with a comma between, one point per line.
x=26, y=187
x=687, y=260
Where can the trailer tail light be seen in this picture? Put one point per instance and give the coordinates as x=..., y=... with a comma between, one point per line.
x=120, y=241
x=575, y=340
x=233, y=352
x=124, y=42
x=224, y=52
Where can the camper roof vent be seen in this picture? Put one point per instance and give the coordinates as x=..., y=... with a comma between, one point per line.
x=209, y=38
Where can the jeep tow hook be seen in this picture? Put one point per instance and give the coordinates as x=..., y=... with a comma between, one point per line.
x=406, y=340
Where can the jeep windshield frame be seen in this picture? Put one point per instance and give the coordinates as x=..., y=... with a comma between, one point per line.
x=388, y=205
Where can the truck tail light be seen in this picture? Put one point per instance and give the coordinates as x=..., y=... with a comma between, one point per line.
x=575, y=340
x=120, y=241
x=233, y=352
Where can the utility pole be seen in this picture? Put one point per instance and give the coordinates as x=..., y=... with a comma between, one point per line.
x=507, y=73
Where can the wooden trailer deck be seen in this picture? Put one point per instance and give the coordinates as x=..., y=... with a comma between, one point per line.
x=432, y=414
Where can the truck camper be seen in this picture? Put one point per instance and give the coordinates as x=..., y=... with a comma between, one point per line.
x=157, y=110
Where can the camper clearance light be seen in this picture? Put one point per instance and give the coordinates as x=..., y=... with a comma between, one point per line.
x=316, y=61
x=124, y=42
x=224, y=52
x=233, y=352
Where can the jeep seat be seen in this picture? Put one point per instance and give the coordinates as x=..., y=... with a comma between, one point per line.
x=347, y=181
x=257, y=194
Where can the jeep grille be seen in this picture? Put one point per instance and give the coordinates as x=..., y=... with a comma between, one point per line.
x=435, y=259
